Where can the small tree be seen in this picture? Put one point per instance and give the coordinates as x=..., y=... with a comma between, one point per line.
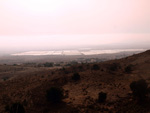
x=54, y=95
x=139, y=89
x=102, y=97
x=76, y=77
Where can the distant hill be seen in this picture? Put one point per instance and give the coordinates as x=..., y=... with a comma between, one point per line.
x=30, y=84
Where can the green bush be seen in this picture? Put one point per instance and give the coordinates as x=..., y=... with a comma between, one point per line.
x=54, y=95
x=139, y=89
x=102, y=97
x=76, y=77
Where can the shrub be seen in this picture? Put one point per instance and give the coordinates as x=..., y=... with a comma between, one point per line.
x=73, y=62
x=128, y=69
x=15, y=108
x=114, y=67
x=102, y=97
x=139, y=89
x=95, y=67
x=54, y=95
x=48, y=64
x=76, y=77
x=5, y=78
x=80, y=68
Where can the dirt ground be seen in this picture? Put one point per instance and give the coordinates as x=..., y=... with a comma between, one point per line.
x=28, y=85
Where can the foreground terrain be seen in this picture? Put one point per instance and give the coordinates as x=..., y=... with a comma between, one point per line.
x=30, y=83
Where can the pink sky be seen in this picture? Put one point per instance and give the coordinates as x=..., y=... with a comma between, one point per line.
x=31, y=18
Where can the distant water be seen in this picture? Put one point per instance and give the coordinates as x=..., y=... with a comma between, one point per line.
x=76, y=52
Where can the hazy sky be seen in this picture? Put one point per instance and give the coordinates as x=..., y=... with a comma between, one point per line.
x=45, y=23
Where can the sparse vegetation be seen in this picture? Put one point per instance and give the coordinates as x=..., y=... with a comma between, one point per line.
x=114, y=67
x=5, y=78
x=101, y=89
x=80, y=68
x=95, y=67
x=102, y=97
x=54, y=95
x=128, y=69
x=48, y=64
x=73, y=62
x=76, y=77
x=139, y=89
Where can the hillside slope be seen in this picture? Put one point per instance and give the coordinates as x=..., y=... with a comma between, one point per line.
x=81, y=96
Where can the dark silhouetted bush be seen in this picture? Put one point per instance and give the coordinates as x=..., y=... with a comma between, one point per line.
x=73, y=62
x=80, y=68
x=114, y=66
x=7, y=108
x=76, y=77
x=5, y=78
x=128, y=69
x=48, y=64
x=15, y=108
x=95, y=67
x=102, y=97
x=54, y=95
x=139, y=89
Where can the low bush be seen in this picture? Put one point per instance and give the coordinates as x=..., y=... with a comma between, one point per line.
x=54, y=95
x=102, y=97
x=76, y=77
x=95, y=67
x=128, y=69
x=48, y=64
x=114, y=67
x=139, y=89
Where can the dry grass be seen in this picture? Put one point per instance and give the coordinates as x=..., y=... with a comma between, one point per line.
x=28, y=86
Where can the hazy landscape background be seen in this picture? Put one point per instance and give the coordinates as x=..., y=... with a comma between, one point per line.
x=55, y=25
x=15, y=44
